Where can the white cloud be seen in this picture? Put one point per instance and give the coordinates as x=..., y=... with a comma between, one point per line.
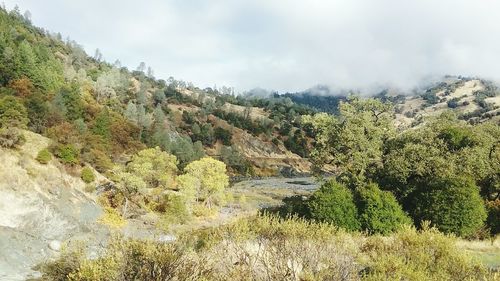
x=286, y=45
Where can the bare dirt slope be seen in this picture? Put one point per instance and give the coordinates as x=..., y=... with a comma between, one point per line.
x=41, y=208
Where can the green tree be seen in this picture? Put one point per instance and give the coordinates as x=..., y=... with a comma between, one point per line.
x=379, y=211
x=206, y=179
x=352, y=141
x=155, y=167
x=12, y=113
x=453, y=205
x=333, y=203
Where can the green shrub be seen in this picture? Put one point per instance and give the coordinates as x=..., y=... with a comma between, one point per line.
x=87, y=175
x=453, y=205
x=291, y=249
x=425, y=255
x=173, y=208
x=379, y=212
x=68, y=154
x=333, y=203
x=493, y=220
x=44, y=156
x=294, y=206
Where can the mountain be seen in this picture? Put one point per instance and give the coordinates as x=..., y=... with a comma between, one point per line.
x=472, y=99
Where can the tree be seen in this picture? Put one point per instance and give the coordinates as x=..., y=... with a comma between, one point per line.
x=453, y=205
x=333, y=203
x=12, y=113
x=155, y=167
x=352, y=141
x=379, y=212
x=207, y=179
x=223, y=135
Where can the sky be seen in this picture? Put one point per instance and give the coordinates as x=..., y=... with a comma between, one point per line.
x=285, y=45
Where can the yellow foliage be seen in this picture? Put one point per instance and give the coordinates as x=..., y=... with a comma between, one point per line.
x=112, y=218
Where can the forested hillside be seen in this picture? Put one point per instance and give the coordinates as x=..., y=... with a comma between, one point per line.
x=98, y=112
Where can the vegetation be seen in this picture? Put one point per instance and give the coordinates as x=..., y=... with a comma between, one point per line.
x=87, y=175
x=334, y=203
x=44, y=156
x=153, y=140
x=291, y=249
x=379, y=212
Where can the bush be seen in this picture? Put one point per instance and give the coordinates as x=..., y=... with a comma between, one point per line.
x=493, y=220
x=11, y=137
x=87, y=175
x=112, y=218
x=173, y=208
x=268, y=248
x=333, y=203
x=223, y=135
x=68, y=154
x=44, y=156
x=293, y=206
x=379, y=212
x=452, y=205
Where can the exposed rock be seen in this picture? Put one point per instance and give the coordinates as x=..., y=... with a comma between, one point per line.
x=55, y=245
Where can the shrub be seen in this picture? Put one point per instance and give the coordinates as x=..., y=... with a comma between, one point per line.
x=12, y=113
x=269, y=248
x=379, y=212
x=425, y=255
x=44, y=156
x=294, y=206
x=68, y=154
x=223, y=135
x=493, y=219
x=333, y=203
x=453, y=205
x=87, y=175
x=173, y=208
x=112, y=218
x=11, y=137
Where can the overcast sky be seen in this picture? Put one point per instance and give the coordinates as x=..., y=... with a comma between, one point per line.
x=285, y=45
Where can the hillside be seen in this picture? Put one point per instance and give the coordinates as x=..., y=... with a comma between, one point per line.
x=109, y=112
x=108, y=173
x=41, y=206
x=471, y=99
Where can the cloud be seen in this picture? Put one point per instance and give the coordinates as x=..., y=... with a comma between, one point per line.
x=286, y=45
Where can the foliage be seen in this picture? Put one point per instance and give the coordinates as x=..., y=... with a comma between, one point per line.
x=333, y=203
x=44, y=156
x=12, y=113
x=205, y=179
x=235, y=161
x=292, y=249
x=453, y=205
x=223, y=135
x=11, y=137
x=68, y=154
x=493, y=219
x=112, y=218
x=87, y=175
x=154, y=166
x=379, y=212
x=353, y=141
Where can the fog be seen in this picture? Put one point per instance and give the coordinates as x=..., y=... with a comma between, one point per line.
x=286, y=45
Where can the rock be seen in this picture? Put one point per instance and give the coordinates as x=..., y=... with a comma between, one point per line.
x=166, y=238
x=55, y=245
